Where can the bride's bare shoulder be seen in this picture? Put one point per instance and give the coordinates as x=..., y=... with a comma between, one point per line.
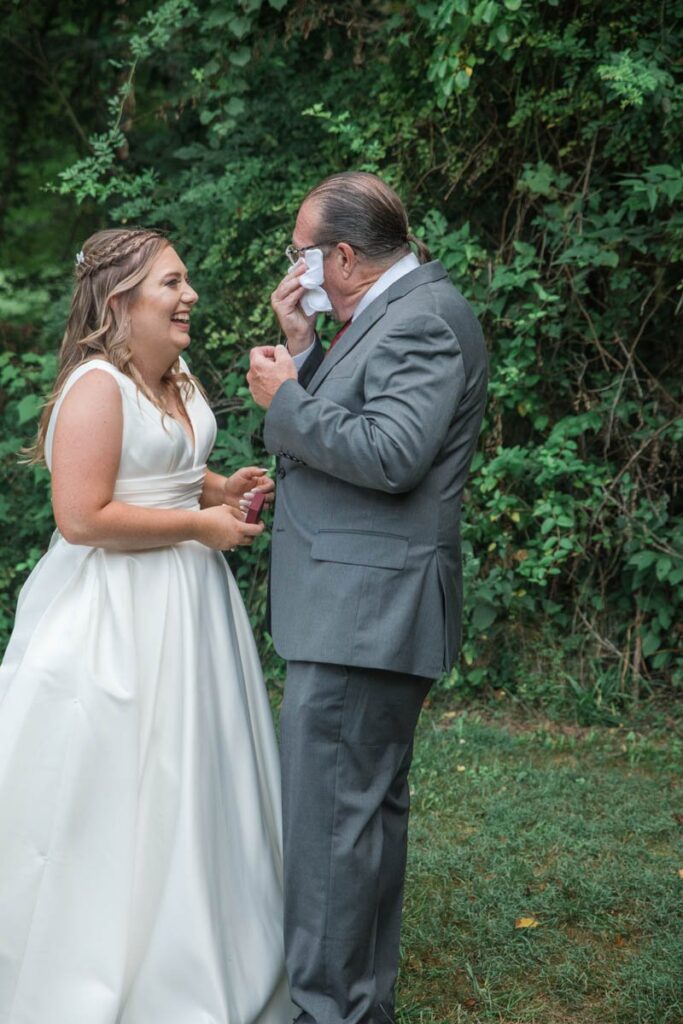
x=92, y=392
x=92, y=374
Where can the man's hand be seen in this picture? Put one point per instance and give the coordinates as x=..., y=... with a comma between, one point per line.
x=269, y=368
x=297, y=328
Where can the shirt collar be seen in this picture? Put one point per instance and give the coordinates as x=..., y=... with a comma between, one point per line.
x=389, y=277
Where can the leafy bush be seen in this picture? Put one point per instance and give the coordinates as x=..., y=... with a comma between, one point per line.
x=538, y=147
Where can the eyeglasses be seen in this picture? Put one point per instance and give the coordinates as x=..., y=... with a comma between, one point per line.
x=294, y=255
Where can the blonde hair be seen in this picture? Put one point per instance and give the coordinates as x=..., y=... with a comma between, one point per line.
x=111, y=263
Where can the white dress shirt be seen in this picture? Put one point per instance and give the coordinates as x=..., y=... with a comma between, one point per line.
x=394, y=273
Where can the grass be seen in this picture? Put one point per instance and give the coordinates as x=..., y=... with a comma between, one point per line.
x=577, y=828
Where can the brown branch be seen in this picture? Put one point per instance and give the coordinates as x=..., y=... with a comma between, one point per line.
x=586, y=183
x=627, y=465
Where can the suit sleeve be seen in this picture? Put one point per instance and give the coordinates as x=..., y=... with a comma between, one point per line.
x=414, y=381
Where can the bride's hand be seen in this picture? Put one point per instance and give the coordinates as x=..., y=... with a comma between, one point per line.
x=242, y=485
x=222, y=527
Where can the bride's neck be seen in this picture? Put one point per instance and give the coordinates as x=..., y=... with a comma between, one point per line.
x=151, y=373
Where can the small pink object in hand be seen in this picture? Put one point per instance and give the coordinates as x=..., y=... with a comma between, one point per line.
x=255, y=508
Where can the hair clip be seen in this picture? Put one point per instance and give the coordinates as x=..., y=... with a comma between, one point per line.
x=80, y=258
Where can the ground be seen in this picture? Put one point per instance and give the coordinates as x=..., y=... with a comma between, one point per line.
x=545, y=873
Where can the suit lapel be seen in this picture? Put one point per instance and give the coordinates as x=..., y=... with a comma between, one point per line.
x=425, y=274
x=349, y=339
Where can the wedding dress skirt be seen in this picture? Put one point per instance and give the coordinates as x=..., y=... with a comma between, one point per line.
x=140, y=835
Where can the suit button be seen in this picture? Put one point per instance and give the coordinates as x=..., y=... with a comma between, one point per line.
x=282, y=472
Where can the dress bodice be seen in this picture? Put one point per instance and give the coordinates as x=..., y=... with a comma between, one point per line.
x=160, y=467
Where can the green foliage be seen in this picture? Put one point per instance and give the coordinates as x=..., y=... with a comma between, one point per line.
x=538, y=147
x=25, y=511
x=633, y=77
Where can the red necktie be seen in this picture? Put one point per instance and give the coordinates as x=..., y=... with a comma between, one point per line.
x=339, y=334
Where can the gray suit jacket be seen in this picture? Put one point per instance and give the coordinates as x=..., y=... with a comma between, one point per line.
x=374, y=455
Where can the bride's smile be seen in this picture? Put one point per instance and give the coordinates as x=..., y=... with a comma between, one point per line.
x=160, y=313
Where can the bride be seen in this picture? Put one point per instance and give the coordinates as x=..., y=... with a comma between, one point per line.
x=140, y=864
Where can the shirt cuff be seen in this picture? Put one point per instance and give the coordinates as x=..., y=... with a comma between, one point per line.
x=300, y=358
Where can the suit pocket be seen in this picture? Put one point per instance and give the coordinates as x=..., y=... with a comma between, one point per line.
x=361, y=547
x=343, y=373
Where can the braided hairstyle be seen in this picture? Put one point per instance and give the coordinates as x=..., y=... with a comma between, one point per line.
x=111, y=263
x=113, y=247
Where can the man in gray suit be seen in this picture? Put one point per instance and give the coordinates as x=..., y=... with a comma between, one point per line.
x=374, y=439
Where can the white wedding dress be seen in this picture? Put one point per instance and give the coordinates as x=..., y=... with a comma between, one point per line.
x=140, y=835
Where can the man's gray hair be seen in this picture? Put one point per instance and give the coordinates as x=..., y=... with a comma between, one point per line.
x=363, y=211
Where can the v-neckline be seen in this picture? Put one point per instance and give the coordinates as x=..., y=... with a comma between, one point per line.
x=190, y=438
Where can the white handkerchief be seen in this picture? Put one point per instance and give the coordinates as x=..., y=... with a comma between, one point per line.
x=315, y=298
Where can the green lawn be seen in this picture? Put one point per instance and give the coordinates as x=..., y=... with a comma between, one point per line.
x=579, y=829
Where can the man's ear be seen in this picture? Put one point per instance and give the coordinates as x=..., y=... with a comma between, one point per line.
x=347, y=258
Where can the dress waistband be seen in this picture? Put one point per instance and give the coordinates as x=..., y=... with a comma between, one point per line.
x=173, y=490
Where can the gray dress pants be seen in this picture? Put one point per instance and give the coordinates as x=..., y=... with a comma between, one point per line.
x=346, y=743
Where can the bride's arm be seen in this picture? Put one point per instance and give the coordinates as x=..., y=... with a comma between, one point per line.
x=85, y=461
x=214, y=490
